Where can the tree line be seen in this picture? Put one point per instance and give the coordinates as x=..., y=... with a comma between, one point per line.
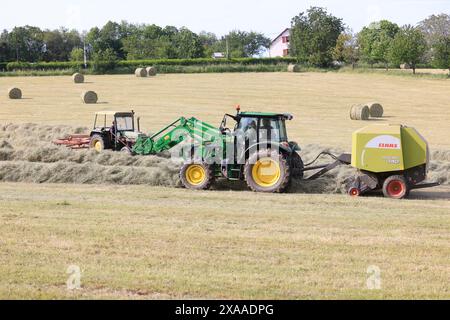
x=317, y=39
x=321, y=39
x=124, y=41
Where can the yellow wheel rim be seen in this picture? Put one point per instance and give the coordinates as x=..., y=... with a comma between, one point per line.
x=195, y=174
x=98, y=146
x=266, y=172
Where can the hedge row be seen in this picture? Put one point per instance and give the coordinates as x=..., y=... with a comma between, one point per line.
x=11, y=66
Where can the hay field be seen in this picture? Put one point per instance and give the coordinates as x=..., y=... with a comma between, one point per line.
x=320, y=102
x=155, y=242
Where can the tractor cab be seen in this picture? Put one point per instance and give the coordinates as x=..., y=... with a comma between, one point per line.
x=114, y=131
x=256, y=133
x=262, y=126
x=256, y=128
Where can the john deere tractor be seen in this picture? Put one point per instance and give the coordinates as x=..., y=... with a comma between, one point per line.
x=250, y=146
x=114, y=131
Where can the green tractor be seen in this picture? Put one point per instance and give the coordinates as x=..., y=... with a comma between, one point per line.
x=249, y=146
x=114, y=131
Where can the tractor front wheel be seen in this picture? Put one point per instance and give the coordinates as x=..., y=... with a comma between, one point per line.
x=196, y=176
x=267, y=171
x=97, y=143
x=395, y=187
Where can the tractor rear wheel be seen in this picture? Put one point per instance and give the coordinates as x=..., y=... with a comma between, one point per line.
x=267, y=171
x=196, y=176
x=297, y=166
x=97, y=143
x=395, y=187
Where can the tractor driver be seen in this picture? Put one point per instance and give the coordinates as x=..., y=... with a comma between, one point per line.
x=113, y=129
x=267, y=130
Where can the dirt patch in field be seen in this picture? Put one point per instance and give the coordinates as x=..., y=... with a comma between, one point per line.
x=27, y=155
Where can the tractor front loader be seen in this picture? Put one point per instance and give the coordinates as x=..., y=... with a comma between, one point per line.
x=257, y=150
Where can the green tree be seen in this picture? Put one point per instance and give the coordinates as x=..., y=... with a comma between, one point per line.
x=375, y=40
x=242, y=44
x=187, y=44
x=435, y=28
x=314, y=35
x=110, y=36
x=208, y=40
x=104, y=60
x=346, y=49
x=409, y=46
x=6, y=53
x=441, y=53
x=148, y=42
x=27, y=43
x=58, y=44
x=77, y=55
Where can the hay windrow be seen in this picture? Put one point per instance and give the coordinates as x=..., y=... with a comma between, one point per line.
x=27, y=155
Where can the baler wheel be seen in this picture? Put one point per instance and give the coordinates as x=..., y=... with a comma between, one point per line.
x=354, y=192
x=196, y=176
x=395, y=187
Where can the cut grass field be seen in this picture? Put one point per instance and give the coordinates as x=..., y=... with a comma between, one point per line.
x=320, y=102
x=139, y=242
x=151, y=242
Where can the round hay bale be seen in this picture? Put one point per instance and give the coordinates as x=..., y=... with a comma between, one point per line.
x=151, y=71
x=78, y=78
x=405, y=66
x=293, y=67
x=359, y=112
x=15, y=93
x=140, y=72
x=376, y=110
x=89, y=97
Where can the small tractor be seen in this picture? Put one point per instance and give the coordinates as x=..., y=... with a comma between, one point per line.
x=256, y=149
x=112, y=130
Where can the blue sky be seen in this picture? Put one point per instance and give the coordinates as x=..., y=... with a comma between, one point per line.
x=267, y=16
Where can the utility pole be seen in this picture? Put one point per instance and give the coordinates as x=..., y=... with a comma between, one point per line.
x=84, y=50
x=228, y=48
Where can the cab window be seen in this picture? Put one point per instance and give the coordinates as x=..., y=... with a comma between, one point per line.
x=272, y=129
x=124, y=123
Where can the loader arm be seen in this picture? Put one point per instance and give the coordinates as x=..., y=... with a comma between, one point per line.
x=177, y=132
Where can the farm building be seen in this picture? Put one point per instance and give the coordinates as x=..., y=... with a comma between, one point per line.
x=279, y=47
